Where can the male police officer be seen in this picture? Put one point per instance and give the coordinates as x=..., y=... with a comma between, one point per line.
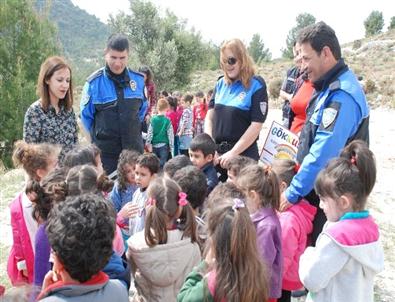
x=337, y=113
x=113, y=104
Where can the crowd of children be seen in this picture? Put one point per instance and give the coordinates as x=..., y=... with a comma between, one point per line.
x=172, y=229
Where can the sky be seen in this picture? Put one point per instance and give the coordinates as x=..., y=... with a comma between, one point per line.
x=219, y=20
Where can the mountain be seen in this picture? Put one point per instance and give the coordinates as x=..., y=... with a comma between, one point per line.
x=82, y=36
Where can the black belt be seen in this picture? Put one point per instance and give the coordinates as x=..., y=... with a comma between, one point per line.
x=224, y=147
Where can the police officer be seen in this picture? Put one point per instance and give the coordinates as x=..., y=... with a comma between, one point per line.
x=113, y=104
x=337, y=114
x=238, y=107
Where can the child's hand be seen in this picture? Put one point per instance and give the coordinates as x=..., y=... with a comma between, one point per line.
x=24, y=273
x=148, y=147
x=50, y=278
x=129, y=210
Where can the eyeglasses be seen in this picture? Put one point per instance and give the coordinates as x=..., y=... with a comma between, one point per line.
x=231, y=61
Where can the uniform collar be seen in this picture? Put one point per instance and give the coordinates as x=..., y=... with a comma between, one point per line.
x=120, y=79
x=330, y=76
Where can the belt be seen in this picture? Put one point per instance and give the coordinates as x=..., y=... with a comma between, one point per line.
x=224, y=147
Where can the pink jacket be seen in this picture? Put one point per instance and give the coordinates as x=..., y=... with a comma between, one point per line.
x=296, y=225
x=22, y=247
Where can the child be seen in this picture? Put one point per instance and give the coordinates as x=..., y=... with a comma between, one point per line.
x=166, y=251
x=185, y=130
x=236, y=164
x=201, y=153
x=81, y=155
x=223, y=191
x=160, y=137
x=232, y=269
x=81, y=232
x=174, y=116
x=296, y=224
x=147, y=167
x=199, y=113
x=37, y=160
x=263, y=198
x=348, y=250
x=176, y=163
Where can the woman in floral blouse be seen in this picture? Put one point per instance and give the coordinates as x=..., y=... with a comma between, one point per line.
x=51, y=119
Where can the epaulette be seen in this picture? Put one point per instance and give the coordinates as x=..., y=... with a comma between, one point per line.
x=334, y=85
x=95, y=75
x=136, y=72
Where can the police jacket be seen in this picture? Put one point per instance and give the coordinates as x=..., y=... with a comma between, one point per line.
x=112, y=107
x=337, y=114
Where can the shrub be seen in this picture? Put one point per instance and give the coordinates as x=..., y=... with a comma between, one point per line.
x=370, y=86
x=274, y=88
x=356, y=44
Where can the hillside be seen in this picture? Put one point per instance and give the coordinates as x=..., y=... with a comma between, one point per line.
x=372, y=58
x=82, y=36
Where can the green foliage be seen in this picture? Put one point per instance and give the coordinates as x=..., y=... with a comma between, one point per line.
x=392, y=23
x=164, y=44
x=257, y=50
x=374, y=23
x=26, y=40
x=302, y=20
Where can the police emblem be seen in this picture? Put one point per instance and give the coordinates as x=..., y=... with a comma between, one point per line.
x=263, y=106
x=328, y=116
x=242, y=95
x=133, y=85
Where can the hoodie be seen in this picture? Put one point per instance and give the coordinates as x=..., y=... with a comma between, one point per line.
x=296, y=224
x=160, y=271
x=341, y=267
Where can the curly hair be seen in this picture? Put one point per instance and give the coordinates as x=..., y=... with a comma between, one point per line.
x=127, y=157
x=80, y=232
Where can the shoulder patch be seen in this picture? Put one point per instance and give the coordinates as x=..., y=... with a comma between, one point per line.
x=328, y=116
x=95, y=75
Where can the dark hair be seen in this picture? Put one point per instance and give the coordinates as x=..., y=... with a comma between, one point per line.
x=199, y=94
x=80, y=232
x=175, y=164
x=263, y=181
x=193, y=182
x=172, y=102
x=164, y=93
x=149, y=161
x=203, y=142
x=51, y=190
x=223, y=191
x=148, y=73
x=285, y=169
x=187, y=98
x=32, y=157
x=47, y=70
x=353, y=173
x=118, y=42
x=84, y=179
x=81, y=155
x=319, y=35
x=232, y=237
x=165, y=193
x=238, y=162
x=126, y=157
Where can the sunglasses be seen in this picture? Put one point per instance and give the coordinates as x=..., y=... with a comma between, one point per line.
x=231, y=61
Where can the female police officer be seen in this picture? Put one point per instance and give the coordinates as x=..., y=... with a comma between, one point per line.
x=238, y=106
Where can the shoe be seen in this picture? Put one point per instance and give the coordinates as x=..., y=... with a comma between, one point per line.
x=299, y=293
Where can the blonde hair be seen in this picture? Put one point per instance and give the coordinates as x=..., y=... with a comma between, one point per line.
x=247, y=68
x=162, y=104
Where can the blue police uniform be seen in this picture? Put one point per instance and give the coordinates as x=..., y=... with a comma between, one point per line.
x=337, y=114
x=235, y=108
x=112, y=108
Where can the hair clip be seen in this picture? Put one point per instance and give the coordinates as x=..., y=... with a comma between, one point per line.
x=237, y=204
x=297, y=167
x=151, y=201
x=182, y=199
x=353, y=160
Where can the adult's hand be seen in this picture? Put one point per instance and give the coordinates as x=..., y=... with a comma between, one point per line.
x=284, y=203
x=224, y=159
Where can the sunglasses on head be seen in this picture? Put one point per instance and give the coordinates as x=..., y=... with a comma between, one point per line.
x=231, y=61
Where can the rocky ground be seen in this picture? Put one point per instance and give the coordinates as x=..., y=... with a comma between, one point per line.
x=381, y=201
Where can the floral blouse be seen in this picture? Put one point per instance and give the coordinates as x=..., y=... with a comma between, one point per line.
x=50, y=127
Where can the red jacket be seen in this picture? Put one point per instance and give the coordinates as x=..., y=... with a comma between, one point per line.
x=22, y=247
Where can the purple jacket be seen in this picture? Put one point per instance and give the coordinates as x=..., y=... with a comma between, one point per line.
x=268, y=233
x=41, y=258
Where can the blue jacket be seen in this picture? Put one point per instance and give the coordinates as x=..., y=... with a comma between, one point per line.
x=121, y=197
x=112, y=108
x=337, y=114
x=211, y=175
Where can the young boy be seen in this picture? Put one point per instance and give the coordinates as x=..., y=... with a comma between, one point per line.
x=236, y=164
x=80, y=232
x=176, y=163
x=160, y=137
x=201, y=153
x=147, y=167
x=185, y=128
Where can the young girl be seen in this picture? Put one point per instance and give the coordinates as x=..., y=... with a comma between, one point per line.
x=199, y=113
x=232, y=270
x=37, y=160
x=263, y=198
x=348, y=254
x=164, y=253
x=185, y=130
x=296, y=224
x=174, y=118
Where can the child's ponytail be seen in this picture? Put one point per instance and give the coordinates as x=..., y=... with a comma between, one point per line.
x=104, y=184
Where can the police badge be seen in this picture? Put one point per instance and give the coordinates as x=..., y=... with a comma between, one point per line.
x=328, y=116
x=133, y=85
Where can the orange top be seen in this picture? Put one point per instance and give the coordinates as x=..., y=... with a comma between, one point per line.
x=298, y=105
